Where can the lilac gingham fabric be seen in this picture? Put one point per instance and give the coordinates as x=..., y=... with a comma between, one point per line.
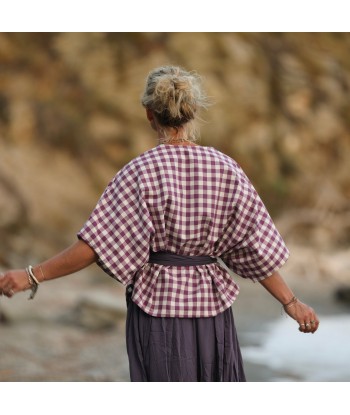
x=189, y=200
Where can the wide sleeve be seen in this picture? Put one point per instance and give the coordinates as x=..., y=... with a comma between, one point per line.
x=255, y=248
x=119, y=228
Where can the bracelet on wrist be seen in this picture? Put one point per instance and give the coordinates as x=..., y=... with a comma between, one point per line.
x=290, y=303
x=42, y=273
x=33, y=281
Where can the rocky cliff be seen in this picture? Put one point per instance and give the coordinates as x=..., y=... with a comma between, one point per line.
x=70, y=117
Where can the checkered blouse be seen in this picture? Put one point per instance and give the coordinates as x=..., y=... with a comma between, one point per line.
x=189, y=200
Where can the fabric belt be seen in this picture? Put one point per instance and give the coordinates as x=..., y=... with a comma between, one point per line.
x=168, y=258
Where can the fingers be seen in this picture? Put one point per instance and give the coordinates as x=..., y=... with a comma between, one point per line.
x=305, y=316
x=7, y=293
x=6, y=288
x=1, y=284
x=13, y=281
x=309, y=326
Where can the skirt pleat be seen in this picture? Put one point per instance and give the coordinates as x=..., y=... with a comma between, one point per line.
x=168, y=349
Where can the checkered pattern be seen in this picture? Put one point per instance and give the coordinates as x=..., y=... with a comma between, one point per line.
x=189, y=200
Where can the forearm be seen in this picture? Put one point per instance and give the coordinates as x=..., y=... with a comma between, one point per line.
x=73, y=259
x=278, y=288
x=302, y=313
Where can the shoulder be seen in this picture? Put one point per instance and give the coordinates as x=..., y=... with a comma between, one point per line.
x=226, y=162
x=148, y=157
x=224, y=158
x=136, y=163
x=131, y=173
x=159, y=155
x=240, y=177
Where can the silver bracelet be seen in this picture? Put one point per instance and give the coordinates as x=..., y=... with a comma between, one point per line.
x=31, y=272
x=34, y=283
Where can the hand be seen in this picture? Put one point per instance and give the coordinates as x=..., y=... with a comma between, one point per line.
x=13, y=281
x=304, y=315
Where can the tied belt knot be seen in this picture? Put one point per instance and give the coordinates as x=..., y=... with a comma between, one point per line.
x=168, y=258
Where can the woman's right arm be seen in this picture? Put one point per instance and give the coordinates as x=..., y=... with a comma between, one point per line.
x=75, y=258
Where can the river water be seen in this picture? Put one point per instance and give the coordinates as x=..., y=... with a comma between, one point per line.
x=275, y=351
x=324, y=356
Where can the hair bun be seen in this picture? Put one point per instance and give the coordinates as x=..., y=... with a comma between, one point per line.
x=175, y=100
x=174, y=95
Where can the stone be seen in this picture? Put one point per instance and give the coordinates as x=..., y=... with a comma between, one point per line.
x=99, y=310
x=342, y=294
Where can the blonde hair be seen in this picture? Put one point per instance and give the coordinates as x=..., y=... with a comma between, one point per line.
x=175, y=96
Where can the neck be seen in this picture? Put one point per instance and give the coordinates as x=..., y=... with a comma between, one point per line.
x=176, y=137
x=176, y=141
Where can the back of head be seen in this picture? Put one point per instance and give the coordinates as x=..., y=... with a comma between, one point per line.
x=174, y=95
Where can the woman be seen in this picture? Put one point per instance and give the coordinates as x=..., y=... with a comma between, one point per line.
x=160, y=228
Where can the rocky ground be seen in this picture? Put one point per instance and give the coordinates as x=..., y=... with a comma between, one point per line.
x=52, y=338
x=74, y=329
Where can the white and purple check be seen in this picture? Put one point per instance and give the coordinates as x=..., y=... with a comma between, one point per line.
x=188, y=200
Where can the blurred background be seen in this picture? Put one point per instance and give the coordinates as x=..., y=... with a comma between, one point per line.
x=70, y=118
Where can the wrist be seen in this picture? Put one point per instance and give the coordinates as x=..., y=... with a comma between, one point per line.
x=290, y=303
x=39, y=273
x=28, y=282
x=33, y=281
x=286, y=297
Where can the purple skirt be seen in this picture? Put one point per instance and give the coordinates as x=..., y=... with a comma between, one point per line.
x=166, y=349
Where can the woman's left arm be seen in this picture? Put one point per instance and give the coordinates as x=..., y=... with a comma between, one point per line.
x=302, y=313
x=73, y=259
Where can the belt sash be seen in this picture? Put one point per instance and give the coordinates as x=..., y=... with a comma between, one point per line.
x=168, y=258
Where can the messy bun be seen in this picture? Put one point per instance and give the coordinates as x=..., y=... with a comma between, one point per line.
x=175, y=96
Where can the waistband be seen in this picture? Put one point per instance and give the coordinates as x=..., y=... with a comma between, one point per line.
x=168, y=258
